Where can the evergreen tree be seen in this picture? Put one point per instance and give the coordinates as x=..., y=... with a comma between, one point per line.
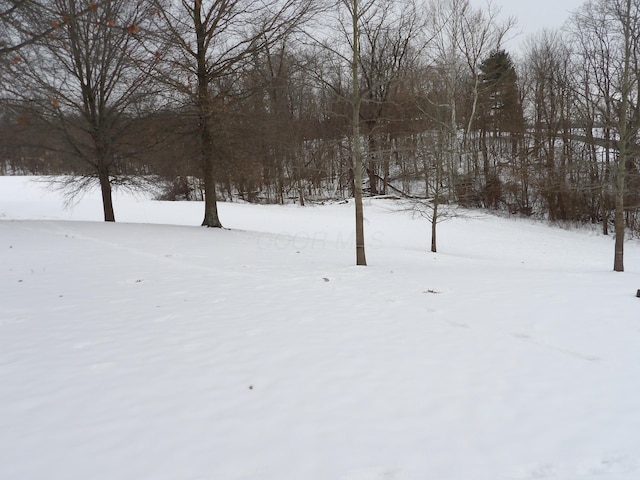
x=500, y=106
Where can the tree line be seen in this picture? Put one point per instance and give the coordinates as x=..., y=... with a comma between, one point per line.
x=299, y=100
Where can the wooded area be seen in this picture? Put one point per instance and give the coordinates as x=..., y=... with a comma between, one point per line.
x=298, y=100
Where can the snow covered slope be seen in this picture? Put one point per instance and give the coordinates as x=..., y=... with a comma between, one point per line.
x=154, y=349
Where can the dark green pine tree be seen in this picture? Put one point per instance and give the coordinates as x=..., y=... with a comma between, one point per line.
x=500, y=106
x=500, y=121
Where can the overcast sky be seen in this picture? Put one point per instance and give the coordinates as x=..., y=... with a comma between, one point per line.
x=534, y=15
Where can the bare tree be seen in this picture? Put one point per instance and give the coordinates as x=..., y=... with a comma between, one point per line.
x=551, y=90
x=388, y=50
x=22, y=23
x=357, y=12
x=87, y=80
x=608, y=36
x=459, y=36
x=595, y=58
x=209, y=41
x=625, y=12
x=352, y=15
x=26, y=22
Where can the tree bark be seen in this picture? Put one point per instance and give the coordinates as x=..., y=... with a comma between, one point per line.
x=107, y=200
x=211, y=218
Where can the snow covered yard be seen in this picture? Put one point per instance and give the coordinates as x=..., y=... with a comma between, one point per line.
x=154, y=349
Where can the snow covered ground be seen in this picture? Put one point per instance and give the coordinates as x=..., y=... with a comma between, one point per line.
x=155, y=349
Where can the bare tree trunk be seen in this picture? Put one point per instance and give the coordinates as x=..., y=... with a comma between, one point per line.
x=83, y=78
x=373, y=180
x=211, y=218
x=107, y=201
x=623, y=148
x=357, y=148
x=387, y=170
x=619, y=223
x=434, y=224
x=606, y=182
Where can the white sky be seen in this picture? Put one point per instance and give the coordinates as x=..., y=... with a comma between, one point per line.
x=533, y=15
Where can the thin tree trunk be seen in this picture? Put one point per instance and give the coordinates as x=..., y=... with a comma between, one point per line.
x=373, y=181
x=357, y=151
x=623, y=150
x=618, y=262
x=606, y=204
x=360, y=251
x=386, y=169
x=474, y=108
x=434, y=224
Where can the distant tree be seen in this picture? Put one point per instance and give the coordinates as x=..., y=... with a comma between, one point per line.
x=461, y=36
x=551, y=93
x=500, y=112
x=594, y=59
x=501, y=109
x=276, y=114
x=608, y=37
x=389, y=48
